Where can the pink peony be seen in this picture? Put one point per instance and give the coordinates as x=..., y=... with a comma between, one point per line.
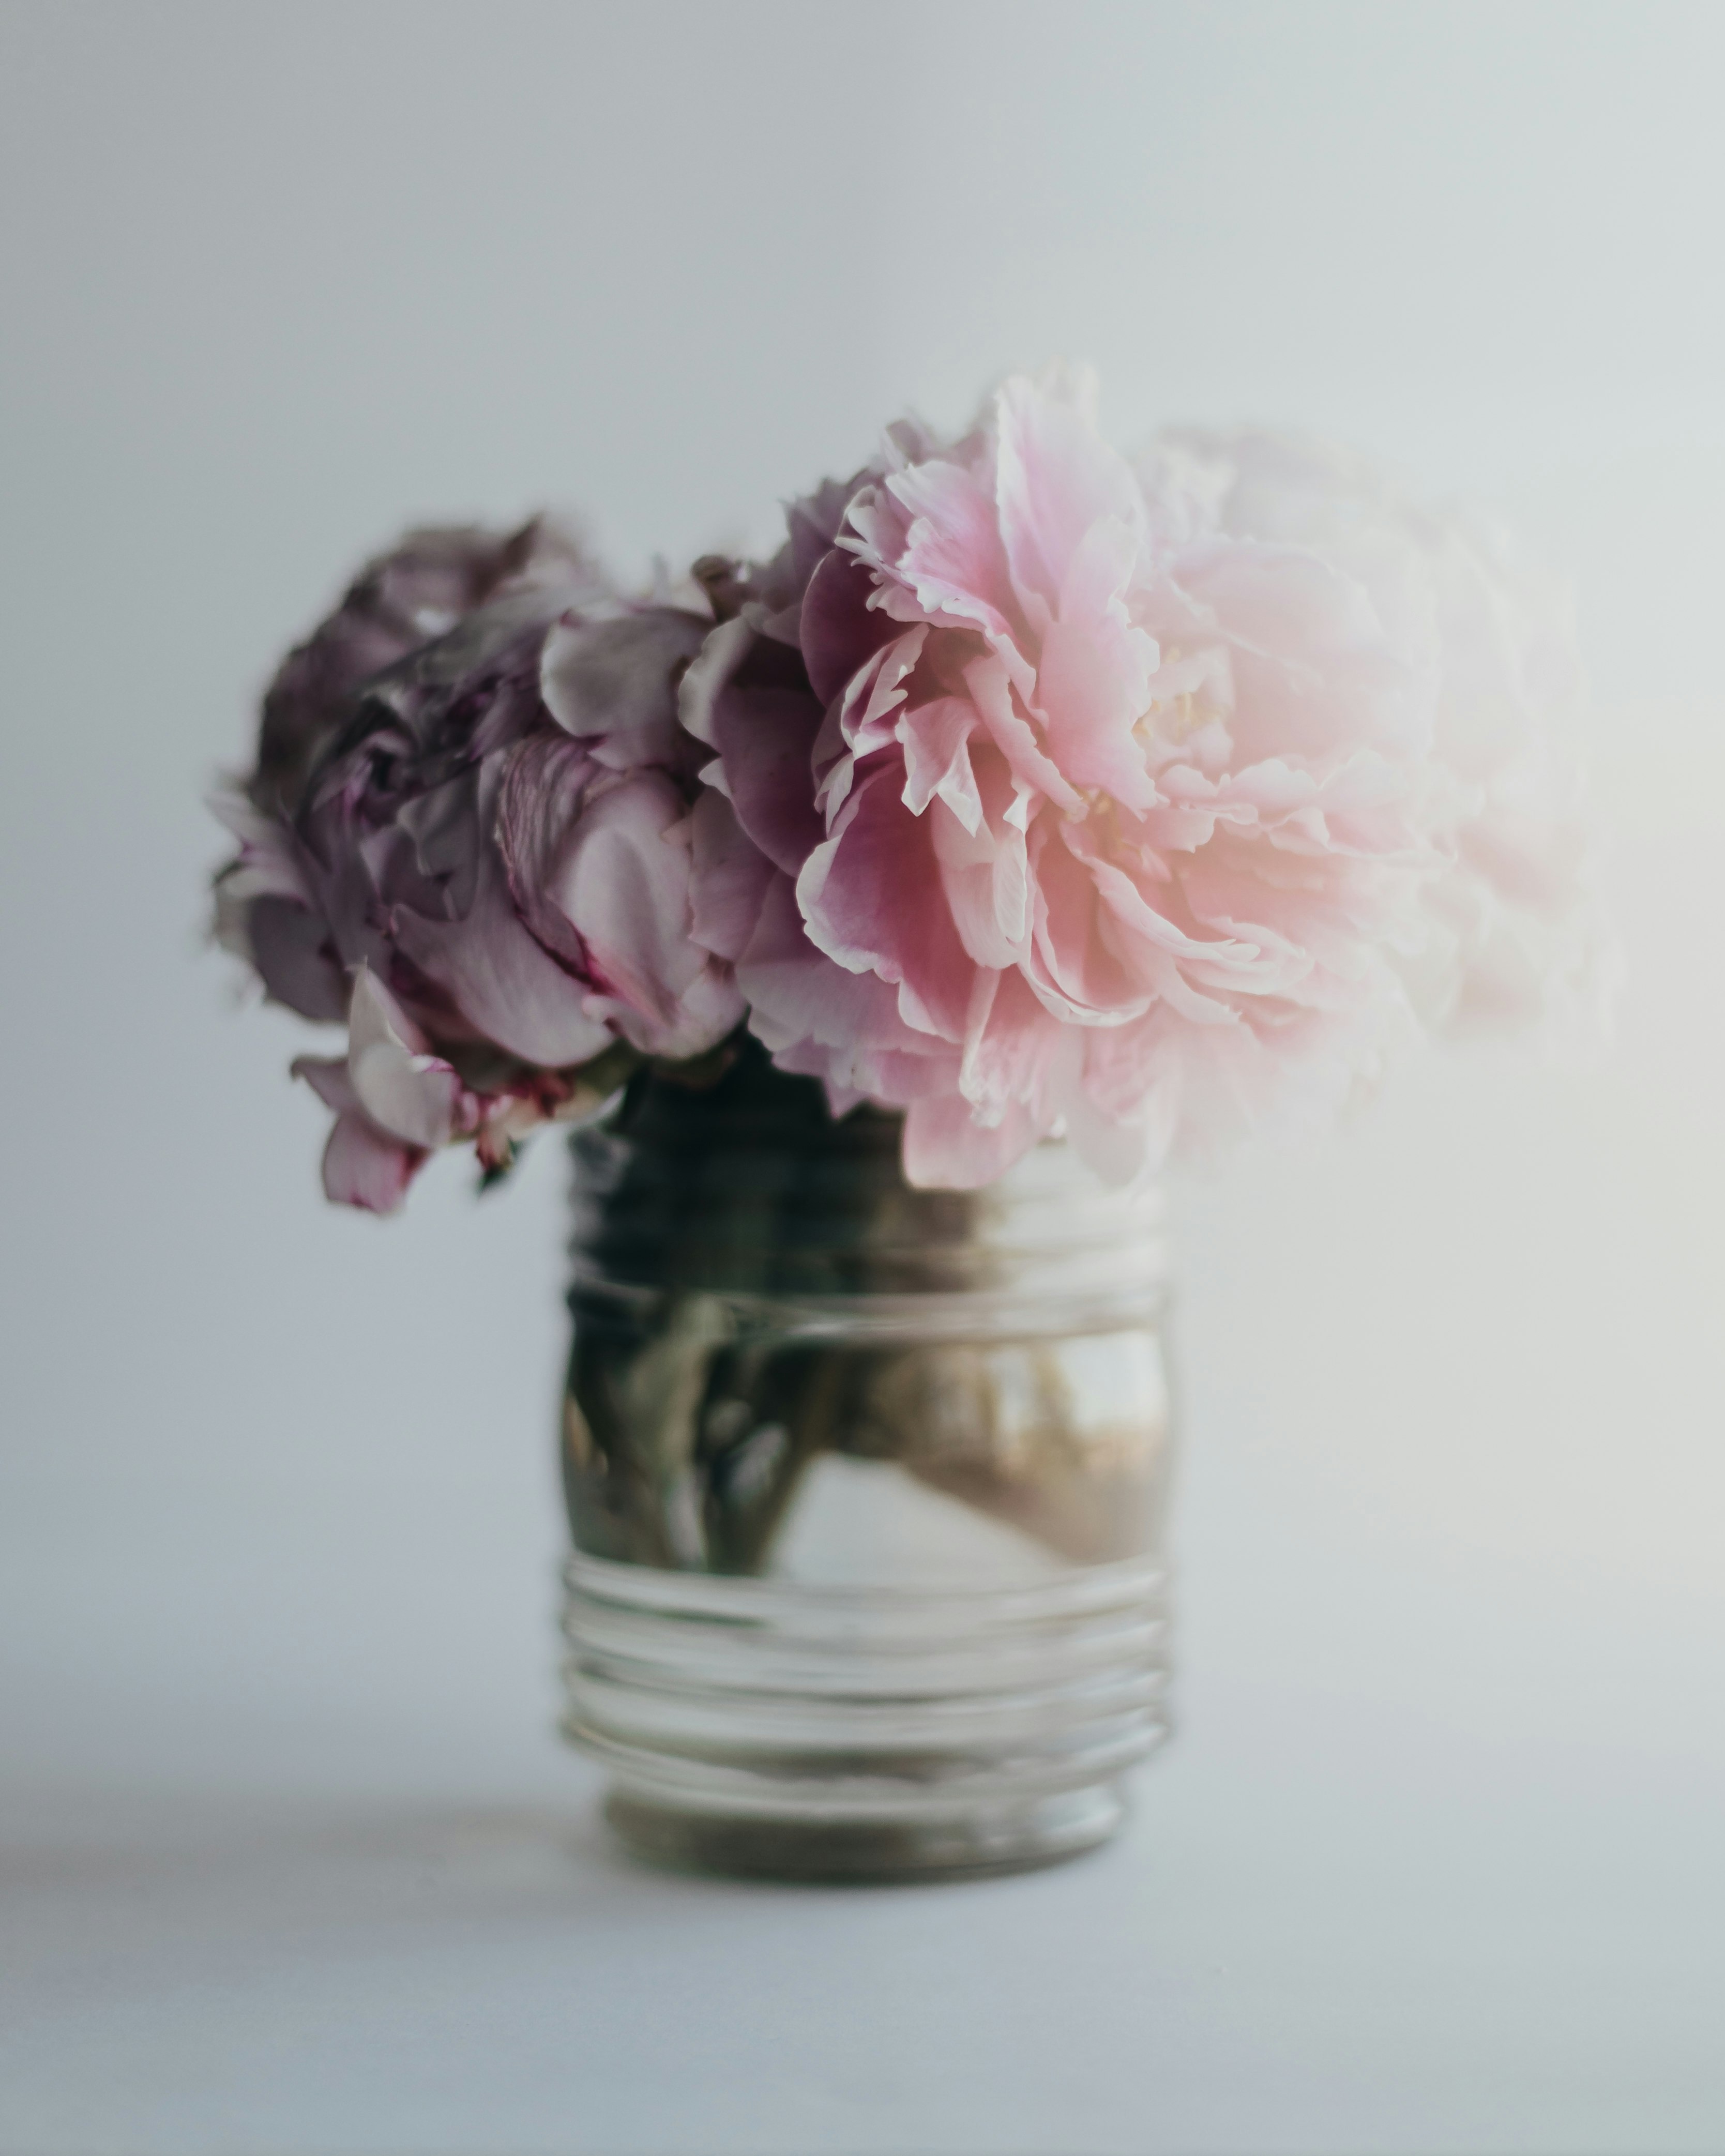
x=479, y=856
x=1055, y=792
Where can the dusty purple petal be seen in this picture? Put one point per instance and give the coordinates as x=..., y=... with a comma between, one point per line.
x=766, y=737
x=601, y=866
x=613, y=684
x=838, y=630
x=289, y=946
x=417, y=591
x=728, y=878
x=506, y=985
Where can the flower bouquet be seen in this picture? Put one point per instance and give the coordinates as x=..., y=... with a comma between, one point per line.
x=882, y=917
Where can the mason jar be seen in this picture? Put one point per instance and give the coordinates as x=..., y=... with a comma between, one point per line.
x=867, y=1489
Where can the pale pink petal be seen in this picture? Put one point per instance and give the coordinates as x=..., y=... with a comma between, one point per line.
x=935, y=738
x=987, y=683
x=1012, y=1046
x=1095, y=670
x=1057, y=478
x=871, y=899
x=932, y=528
x=365, y=1167
x=945, y=1149
x=412, y=1096
x=985, y=870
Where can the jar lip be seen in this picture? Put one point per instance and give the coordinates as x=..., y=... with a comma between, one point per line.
x=803, y=1222
x=722, y=1149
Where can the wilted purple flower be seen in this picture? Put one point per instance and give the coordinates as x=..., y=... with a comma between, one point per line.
x=479, y=855
x=428, y=582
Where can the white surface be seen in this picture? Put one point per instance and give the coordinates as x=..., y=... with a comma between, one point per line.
x=289, y=1860
x=1434, y=1864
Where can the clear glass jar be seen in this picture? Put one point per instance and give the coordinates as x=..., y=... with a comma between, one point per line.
x=866, y=1487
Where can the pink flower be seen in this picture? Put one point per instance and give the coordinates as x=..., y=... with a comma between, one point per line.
x=483, y=862
x=1514, y=936
x=1105, y=811
x=1062, y=794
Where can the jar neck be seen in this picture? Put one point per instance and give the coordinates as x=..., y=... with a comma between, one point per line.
x=750, y=1186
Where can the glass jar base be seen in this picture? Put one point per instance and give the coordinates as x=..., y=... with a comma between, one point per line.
x=857, y=1852
x=770, y=1728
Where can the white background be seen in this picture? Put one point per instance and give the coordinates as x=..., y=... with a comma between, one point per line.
x=291, y=1859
